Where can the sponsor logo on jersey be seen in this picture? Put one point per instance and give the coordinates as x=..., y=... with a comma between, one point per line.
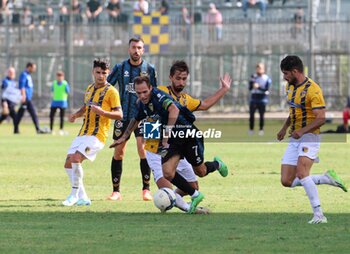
x=118, y=124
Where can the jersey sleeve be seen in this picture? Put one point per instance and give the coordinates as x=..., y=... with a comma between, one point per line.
x=113, y=76
x=4, y=84
x=192, y=103
x=114, y=100
x=316, y=98
x=22, y=81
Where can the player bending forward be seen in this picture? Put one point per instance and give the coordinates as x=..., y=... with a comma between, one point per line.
x=179, y=72
x=101, y=103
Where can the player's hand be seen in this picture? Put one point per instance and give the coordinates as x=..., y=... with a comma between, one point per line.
x=281, y=134
x=118, y=142
x=297, y=134
x=226, y=81
x=97, y=110
x=71, y=118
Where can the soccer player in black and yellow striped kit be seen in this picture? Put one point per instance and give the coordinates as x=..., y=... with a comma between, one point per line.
x=101, y=104
x=306, y=116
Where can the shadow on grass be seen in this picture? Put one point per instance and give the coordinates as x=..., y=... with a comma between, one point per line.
x=123, y=232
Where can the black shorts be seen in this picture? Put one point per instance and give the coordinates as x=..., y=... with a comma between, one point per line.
x=120, y=127
x=190, y=149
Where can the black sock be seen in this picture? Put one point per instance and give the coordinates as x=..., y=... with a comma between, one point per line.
x=146, y=173
x=182, y=184
x=211, y=166
x=116, y=170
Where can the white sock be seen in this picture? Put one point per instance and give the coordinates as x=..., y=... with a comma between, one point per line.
x=317, y=179
x=78, y=175
x=195, y=194
x=69, y=172
x=180, y=203
x=312, y=193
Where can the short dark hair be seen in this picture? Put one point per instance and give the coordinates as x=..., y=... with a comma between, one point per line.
x=103, y=63
x=136, y=39
x=140, y=79
x=30, y=64
x=292, y=62
x=179, y=65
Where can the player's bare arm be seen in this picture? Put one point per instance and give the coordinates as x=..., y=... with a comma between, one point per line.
x=173, y=114
x=283, y=131
x=225, y=83
x=318, y=122
x=131, y=127
x=115, y=115
x=79, y=113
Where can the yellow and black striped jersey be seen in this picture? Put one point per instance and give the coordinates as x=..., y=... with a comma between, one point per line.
x=107, y=97
x=184, y=99
x=302, y=99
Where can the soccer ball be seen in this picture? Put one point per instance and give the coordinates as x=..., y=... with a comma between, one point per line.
x=164, y=199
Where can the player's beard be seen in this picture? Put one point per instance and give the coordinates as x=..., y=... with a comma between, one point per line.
x=293, y=81
x=178, y=89
x=135, y=58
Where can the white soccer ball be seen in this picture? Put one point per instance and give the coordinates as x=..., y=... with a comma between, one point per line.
x=164, y=199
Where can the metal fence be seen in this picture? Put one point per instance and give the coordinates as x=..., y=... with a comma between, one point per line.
x=324, y=47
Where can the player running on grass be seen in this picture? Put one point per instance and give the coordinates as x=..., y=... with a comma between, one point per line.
x=306, y=116
x=156, y=104
x=179, y=72
x=101, y=103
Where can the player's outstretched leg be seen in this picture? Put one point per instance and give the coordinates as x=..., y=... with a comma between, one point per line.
x=222, y=166
x=336, y=179
x=195, y=200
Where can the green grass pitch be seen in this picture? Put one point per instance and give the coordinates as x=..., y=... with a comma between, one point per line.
x=251, y=211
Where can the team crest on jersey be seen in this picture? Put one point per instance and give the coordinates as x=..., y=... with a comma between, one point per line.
x=118, y=124
x=150, y=106
x=303, y=93
x=117, y=133
x=126, y=74
x=87, y=150
x=305, y=149
x=143, y=74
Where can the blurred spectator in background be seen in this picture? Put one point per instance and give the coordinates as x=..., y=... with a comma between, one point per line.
x=251, y=3
x=28, y=22
x=214, y=21
x=93, y=10
x=11, y=96
x=346, y=116
x=27, y=87
x=3, y=7
x=60, y=92
x=259, y=85
x=46, y=24
x=64, y=21
x=77, y=11
x=187, y=21
x=299, y=19
x=114, y=10
x=164, y=7
x=142, y=6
